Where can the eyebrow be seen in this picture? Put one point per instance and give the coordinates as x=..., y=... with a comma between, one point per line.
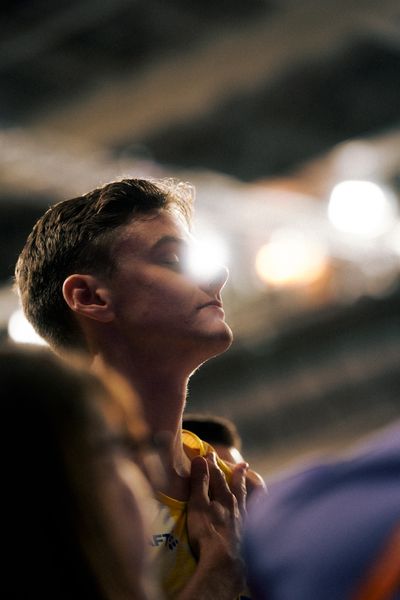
x=168, y=239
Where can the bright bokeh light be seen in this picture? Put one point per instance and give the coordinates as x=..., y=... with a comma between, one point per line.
x=205, y=257
x=361, y=208
x=290, y=258
x=21, y=331
x=393, y=239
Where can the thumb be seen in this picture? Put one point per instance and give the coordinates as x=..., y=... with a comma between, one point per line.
x=238, y=485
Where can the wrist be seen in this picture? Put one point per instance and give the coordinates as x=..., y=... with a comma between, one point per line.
x=226, y=571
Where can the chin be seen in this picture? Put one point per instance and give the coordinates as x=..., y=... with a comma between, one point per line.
x=227, y=337
x=219, y=341
x=210, y=351
x=209, y=345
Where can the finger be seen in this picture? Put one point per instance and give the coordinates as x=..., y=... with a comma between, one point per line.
x=219, y=489
x=255, y=485
x=199, y=482
x=238, y=485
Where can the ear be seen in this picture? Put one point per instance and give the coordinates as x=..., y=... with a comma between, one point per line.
x=86, y=295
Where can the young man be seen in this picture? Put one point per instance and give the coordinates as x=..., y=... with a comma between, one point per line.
x=107, y=273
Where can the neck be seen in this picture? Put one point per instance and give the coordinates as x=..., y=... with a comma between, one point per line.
x=163, y=394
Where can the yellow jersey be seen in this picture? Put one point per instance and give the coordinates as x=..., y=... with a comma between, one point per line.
x=171, y=553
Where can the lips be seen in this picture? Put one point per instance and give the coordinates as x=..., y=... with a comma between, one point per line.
x=215, y=303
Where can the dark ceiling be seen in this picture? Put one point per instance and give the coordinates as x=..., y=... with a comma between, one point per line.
x=307, y=110
x=51, y=52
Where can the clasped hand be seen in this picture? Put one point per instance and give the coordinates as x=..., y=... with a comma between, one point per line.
x=215, y=517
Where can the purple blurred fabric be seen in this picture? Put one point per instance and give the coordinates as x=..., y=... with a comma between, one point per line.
x=317, y=533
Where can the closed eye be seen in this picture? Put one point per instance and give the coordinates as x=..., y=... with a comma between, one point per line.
x=173, y=261
x=170, y=252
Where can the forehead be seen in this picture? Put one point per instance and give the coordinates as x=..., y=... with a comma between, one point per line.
x=144, y=231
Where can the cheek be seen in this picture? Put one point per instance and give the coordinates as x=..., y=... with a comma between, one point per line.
x=166, y=302
x=155, y=298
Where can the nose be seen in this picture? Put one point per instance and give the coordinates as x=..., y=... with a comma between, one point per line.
x=215, y=283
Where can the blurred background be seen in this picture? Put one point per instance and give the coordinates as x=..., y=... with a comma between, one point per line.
x=285, y=115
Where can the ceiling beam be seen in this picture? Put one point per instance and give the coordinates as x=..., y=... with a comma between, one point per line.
x=185, y=85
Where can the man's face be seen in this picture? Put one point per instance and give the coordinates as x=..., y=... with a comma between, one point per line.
x=157, y=303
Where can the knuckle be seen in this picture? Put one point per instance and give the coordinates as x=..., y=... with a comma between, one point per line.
x=231, y=502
